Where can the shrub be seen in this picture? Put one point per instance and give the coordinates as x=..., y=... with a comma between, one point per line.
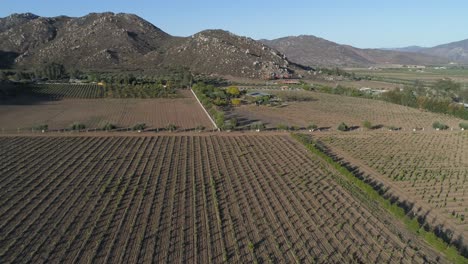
x=257, y=126
x=367, y=124
x=282, y=127
x=139, y=126
x=42, y=127
x=463, y=125
x=108, y=126
x=233, y=123
x=312, y=126
x=171, y=127
x=233, y=91
x=219, y=119
x=439, y=125
x=235, y=102
x=393, y=128
x=77, y=126
x=343, y=127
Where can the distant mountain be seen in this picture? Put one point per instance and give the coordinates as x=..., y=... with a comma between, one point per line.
x=124, y=41
x=407, y=49
x=311, y=50
x=455, y=51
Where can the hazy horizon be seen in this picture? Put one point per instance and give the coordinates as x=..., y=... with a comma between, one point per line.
x=363, y=24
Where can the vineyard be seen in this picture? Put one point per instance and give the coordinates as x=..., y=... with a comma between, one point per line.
x=329, y=110
x=58, y=91
x=184, y=112
x=187, y=199
x=432, y=168
x=61, y=91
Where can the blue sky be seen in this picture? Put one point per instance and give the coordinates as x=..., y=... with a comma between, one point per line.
x=361, y=23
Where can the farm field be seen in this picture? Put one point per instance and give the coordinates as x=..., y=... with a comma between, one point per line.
x=328, y=110
x=431, y=169
x=184, y=112
x=428, y=75
x=187, y=199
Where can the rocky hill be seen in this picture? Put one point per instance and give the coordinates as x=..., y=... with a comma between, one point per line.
x=125, y=41
x=311, y=50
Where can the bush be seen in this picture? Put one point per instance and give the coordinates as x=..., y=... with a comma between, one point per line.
x=108, y=126
x=219, y=119
x=139, y=126
x=77, y=126
x=42, y=127
x=171, y=127
x=343, y=127
x=312, y=126
x=282, y=127
x=393, y=128
x=257, y=126
x=463, y=126
x=233, y=123
x=439, y=125
x=235, y=102
x=367, y=124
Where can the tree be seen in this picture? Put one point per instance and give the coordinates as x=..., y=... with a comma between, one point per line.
x=408, y=98
x=171, y=127
x=233, y=91
x=439, y=126
x=77, y=126
x=3, y=76
x=367, y=124
x=219, y=119
x=343, y=127
x=235, y=102
x=463, y=126
x=447, y=87
x=312, y=126
x=51, y=71
x=259, y=126
x=108, y=126
x=139, y=126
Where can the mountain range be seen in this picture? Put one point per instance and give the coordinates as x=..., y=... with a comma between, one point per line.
x=108, y=41
x=311, y=50
x=455, y=51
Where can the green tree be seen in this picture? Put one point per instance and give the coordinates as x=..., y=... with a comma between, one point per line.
x=408, y=98
x=343, y=127
x=367, y=124
x=446, y=87
x=3, y=76
x=312, y=126
x=51, y=71
x=233, y=91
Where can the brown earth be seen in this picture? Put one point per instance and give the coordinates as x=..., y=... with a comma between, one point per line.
x=183, y=112
x=428, y=170
x=327, y=110
x=204, y=199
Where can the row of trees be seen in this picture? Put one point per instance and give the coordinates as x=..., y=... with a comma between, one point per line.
x=442, y=97
x=213, y=98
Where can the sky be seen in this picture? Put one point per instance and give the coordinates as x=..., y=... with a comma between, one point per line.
x=360, y=23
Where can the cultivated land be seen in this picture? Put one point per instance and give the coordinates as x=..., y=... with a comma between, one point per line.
x=328, y=110
x=26, y=112
x=429, y=75
x=429, y=169
x=204, y=199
